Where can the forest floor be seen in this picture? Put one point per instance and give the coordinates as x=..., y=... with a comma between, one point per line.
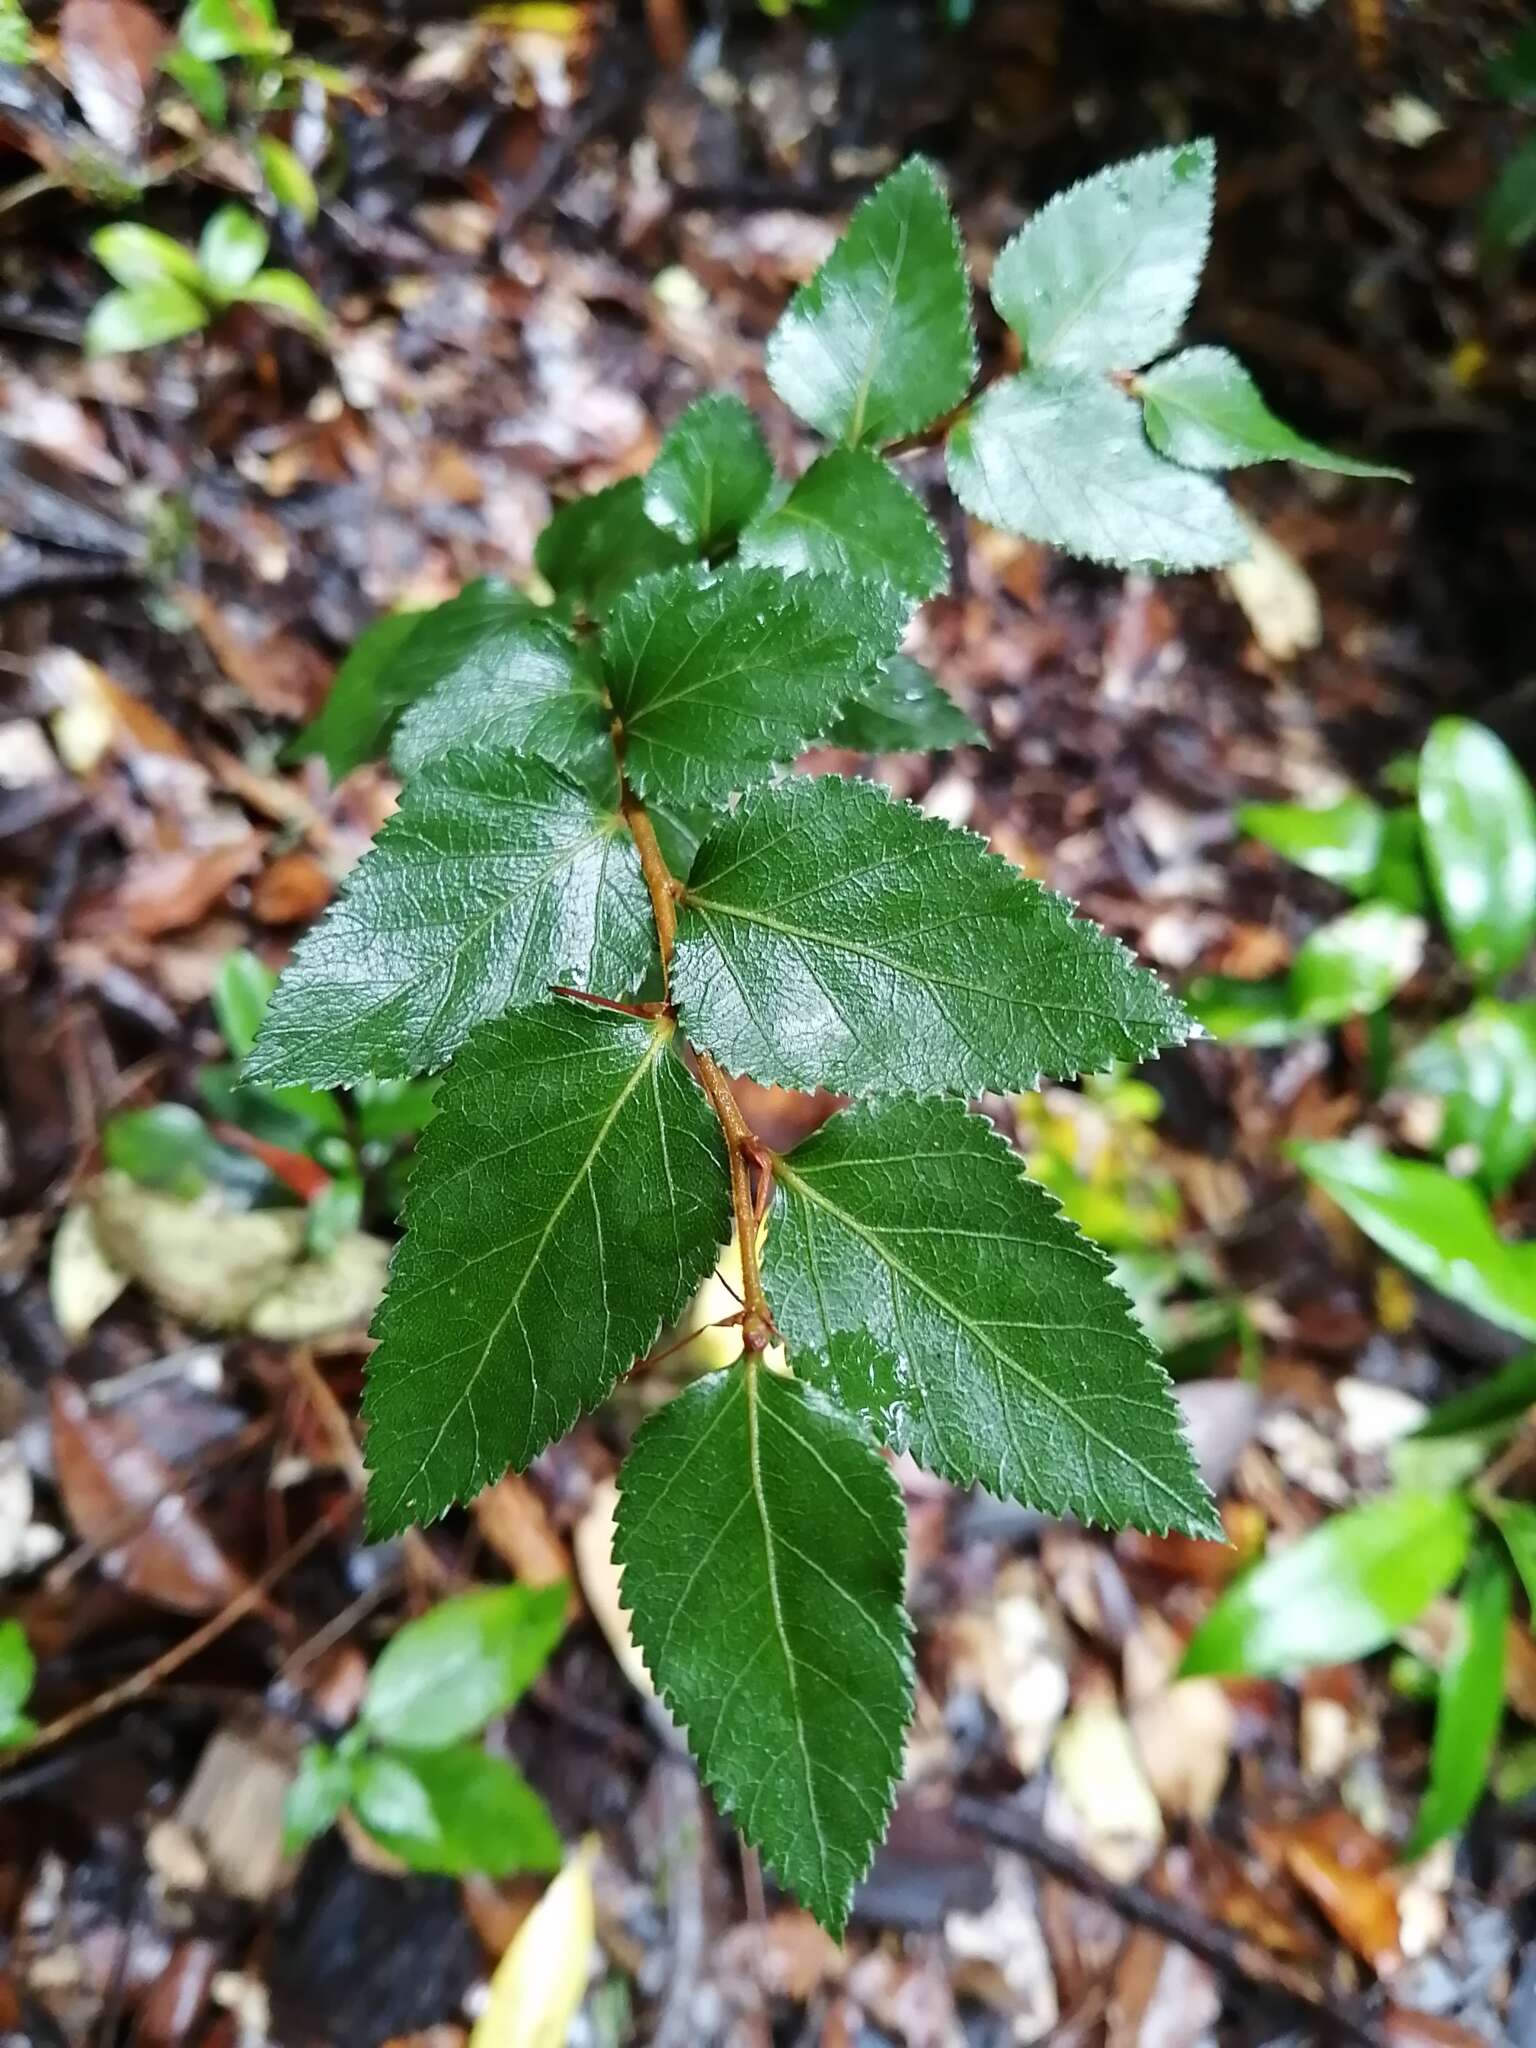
x=550, y=233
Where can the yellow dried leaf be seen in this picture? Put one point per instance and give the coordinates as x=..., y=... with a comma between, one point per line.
x=540, y=1981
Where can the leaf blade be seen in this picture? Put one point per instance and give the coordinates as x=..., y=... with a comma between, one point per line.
x=851, y=515
x=1203, y=409
x=445, y=1675
x=1478, y=814
x=1471, y=1704
x=711, y=473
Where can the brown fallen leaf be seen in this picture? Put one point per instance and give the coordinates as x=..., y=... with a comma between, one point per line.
x=165, y=892
x=111, y=51
x=279, y=672
x=1163, y=1997
x=515, y=1522
x=124, y=1500
x=291, y=890
x=1347, y=1873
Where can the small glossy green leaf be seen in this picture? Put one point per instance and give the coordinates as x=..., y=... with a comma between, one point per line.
x=717, y=681
x=242, y=989
x=597, y=546
x=1247, y=1012
x=18, y=1669
x=135, y=255
x=992, y=1342
x=454, y=1811
x=565, y=1201
x=1479, y=820
x=1516, y=1523
x=1437, y=1226
x=1355, y=963
x=508, y=678
x=360, y=711
x=144, y=317
x=202, y=83
x=832, y=937
x=1502, y=1400
x=217, y=29
x=1482, y=1066
x=1341, y=1592
x=710, y=475
x=320, y=1789
x=285, y=292
x=851, y=515
x=1471, y=1703
x=905, y=712
x=879, y=343
x=445, y=1676
x=167, y=1146
x=1202, y=408
x=1060, y=456
x=762, y=1541
x=231, y=249
x=287, y=179
x=1102, y=277
x=495, y=880
x=1341, y=842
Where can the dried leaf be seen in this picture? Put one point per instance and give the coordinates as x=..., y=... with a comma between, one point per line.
x=165, y=892
x=204, y=1264
x=83, y=1283
x=318, y=1296
x=540, y=1981
x=111, y=51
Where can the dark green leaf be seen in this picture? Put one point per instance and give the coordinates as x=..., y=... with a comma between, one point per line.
x=445, y=1676
x=566, y=1200
x=992, y=1341
x=851, y=515
x=231, y=250
x=762, y=1544
x=201, y=82
x=242, y=990
x=832, y=937
x=1060, y=456
x=387, y=1110
x=1341, y=842
x=294, y=1118
x=1516, y=1523
x=143, y=318
x=1479, y=820
x=134, y=255
x=905, y=712
x=513, y=680
x=18, y=1667
x=597, y=546
x=717, y=681
x=1102, y=277
x=879, y=344
x=287, y=179
x=711, y=474
x=454, y=1811
x=1471, y=1703
x=494, y=880
x=1355, y=963
x=1202, y=408
x=1504, y=1399
x=1482, y=1066
x=168, y=1146
x=365, y=701
x=285, y=292
x=1338, y=1594
x=320, y=1789
x=1246, y=1012
x=1435, y=1225
x=1509, y=212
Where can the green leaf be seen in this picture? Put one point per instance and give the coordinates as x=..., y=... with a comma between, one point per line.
x=1246, y=1012
x=16, y=43
x=1504, y=1399
x=710, y=475
x=134, y=255
x=1509, y=212
x=495, y=880
x=167, y=1146
x=596, y=547
x=905, y=713
x=1060, y=456
x=1202, y=408
x=1102, y=277
x=201, y=82
x=851, y=515
x=217, y=29
x=285, y=292
x=287, y=179
x=1354, y=964
x=363, y=704
x=320, y=1789
x=1340, y=1593
x=445, y=1676
x=566, y=1200
x=142, y=318
x=18, y=1669
x=716, y=682
x=991, y=1341
x=1471, y=1704
x=513, y=679
x=1515, y=1521
x=1479, y=820
x=388, y=1110
x=242, y=989
x=454, y=1811
x=1341, y=842
x=878, y=344
x=762, y=1541
x=1435, y=1225
x=832, y=937
x=231, y=250
x=1482, y=1066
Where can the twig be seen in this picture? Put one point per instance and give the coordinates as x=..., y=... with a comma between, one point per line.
x=741, y=1146
x=1232, y=1956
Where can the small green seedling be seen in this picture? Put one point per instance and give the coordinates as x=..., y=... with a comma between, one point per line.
x=18, y=1674
x=411, y=1770
x=166, y=290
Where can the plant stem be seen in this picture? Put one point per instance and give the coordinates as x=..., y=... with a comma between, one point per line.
x=757, y=1330
x=658, y=880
